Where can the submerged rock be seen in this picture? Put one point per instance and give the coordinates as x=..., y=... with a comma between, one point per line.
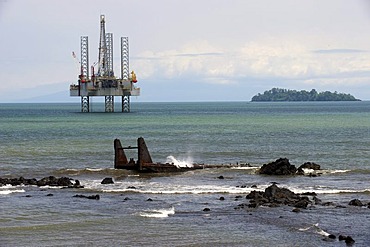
x=107, y=181
x=347, y=239
x=296, y=210
x=93, y=197
x=356, y=202
x=279, y=167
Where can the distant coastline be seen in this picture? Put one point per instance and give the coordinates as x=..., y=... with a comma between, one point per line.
x=279, y=94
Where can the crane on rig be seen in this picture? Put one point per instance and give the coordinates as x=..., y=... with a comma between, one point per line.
x=104, y=82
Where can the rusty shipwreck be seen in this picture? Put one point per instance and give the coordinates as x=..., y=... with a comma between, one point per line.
x=144, y=162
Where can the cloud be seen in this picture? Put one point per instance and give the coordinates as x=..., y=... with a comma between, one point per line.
x=283, y=60
x=338, y=51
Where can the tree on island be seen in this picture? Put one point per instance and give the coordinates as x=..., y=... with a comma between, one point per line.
x=279, y=94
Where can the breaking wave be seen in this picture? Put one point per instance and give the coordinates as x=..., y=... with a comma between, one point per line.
x=8, y=189
x=160, y=213
x=315, y=228
x=180, y=163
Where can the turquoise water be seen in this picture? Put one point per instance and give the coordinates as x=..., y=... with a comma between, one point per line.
x=38, y=140
x=50, y=136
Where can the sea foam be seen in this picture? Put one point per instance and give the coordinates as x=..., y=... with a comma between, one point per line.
x=8, y=189
x=180, y=163
x=160, y=213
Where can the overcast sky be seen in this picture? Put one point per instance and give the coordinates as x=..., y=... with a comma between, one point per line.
x=190, y=50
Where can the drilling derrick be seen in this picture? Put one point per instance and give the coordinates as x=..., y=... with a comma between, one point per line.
x=104, y=83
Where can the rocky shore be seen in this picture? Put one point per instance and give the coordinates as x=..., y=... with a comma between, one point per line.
x=46, y=181
x=272, y=196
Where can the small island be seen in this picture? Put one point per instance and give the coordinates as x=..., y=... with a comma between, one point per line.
x=279, y=94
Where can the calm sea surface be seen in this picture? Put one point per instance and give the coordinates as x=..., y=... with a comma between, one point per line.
x=38, y=140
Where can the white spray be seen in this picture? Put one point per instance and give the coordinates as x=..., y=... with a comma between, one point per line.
x=180, y=163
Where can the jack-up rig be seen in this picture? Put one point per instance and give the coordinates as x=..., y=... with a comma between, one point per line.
x=104, y=83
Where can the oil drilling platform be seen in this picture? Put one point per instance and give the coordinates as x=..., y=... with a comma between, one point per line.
x=104, y=82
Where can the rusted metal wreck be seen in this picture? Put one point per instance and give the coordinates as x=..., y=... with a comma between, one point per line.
x=145, y=163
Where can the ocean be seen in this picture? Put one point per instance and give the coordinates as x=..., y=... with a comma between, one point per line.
x=40, y=140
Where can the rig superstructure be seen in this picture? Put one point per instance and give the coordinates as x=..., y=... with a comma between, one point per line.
x=103, y=82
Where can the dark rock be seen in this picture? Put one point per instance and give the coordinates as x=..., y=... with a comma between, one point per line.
x=309, y=194
x=77, y=185
x=222, y=198
x=241, y=206
x=254, y=194
x=206, y=209
x=296, y=210
x=276, y=193
x=279, y=167
x=131, y=187
x=254, y=186
x=310, y=165
x=50, y=181
x=349, y=240
x=93, y=197
x=273, y=196
x=150, y=200
x=53, y=181
x=220, y=177
x=49, y=195
x=316, y=200
x=312, y=175
x=107, y=181
x=28, y=196
x=300, y=171
x=341, y=238
x=356, y=202
x=64, y=181
x=273, y=205
x=302, y=203
x=32, y=181
x=15, y=182
x=332, y=236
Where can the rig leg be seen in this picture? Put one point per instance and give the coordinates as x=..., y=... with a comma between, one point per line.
x=125, y=103
x=85, y=104
x=109, y=103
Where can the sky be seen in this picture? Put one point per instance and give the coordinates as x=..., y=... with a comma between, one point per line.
x=189, y=50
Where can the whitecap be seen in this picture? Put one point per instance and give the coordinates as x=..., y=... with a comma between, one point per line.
x=7, y=192
x=331, y=171
x=95, y=169
x=245, y=167
x=180, y=163
x=160, y=213
x=317, y=229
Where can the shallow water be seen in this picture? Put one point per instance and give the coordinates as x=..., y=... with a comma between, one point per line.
x=38, y=140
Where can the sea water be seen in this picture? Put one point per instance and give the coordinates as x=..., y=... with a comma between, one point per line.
x=38, y=140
